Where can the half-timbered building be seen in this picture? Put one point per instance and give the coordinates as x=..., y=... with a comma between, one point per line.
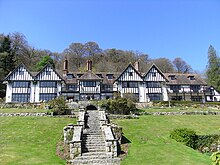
x=47, y=84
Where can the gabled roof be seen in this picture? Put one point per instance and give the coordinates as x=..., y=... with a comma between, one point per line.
x=48, y=65
x=130, y=65
x=183, y=79
x=20, y=65
x=89, y=75
x=153, y=65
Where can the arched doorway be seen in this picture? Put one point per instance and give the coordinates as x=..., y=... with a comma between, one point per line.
x=91, y=107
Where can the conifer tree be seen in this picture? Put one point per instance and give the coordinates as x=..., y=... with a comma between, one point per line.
x=213, y=68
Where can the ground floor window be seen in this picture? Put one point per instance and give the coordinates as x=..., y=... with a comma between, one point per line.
x=177, y=98
x=20, y=97
x=155, y=96
x=47, y=96
x=90, y=97
x=196, y=98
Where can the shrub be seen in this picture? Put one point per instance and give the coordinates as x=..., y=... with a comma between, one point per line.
x=215, y=158
x=186, y=136
x=59, y=106
x=119, y=105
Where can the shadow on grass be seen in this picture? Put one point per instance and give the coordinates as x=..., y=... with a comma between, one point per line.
x=123, y=148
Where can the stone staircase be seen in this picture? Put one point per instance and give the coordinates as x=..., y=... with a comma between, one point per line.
x=93, y=144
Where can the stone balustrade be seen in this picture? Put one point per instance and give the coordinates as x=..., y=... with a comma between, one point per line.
x=81, y=117
x=68, y=133
x=110, y=141
x=102, y=117
x=76, y=143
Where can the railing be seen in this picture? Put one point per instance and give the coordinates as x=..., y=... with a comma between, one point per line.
x=76, y=143
x=81, y=117
x=110, y=141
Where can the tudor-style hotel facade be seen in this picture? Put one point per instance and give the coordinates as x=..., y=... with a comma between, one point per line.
x=25, y=86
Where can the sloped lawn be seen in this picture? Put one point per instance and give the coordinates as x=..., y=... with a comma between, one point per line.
x=151, y=145
x=30, y=140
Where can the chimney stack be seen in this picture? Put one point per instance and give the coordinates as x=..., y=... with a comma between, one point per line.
x=137, y=65
x=65, y=67
x=89, y=65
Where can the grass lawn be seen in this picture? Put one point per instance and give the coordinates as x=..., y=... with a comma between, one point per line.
x=151, y=145
x=30, y=140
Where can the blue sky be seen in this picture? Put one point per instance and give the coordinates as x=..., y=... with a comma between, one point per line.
x=160, y=28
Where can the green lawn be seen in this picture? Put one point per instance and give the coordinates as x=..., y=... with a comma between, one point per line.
x=151, y=145
x=30, y=140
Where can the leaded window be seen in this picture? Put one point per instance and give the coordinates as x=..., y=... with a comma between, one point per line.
x=21, y=84
x=154, y=96
x=153, y=84
x=48, y=84
x=129, y=84
x=175, y=88
x=47, y=96
x=20, y=97
x=89, y=83
x=195, y=88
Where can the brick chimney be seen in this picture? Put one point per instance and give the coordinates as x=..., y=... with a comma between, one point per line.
x=65, y=67
x=89, y=65
x=137, y=65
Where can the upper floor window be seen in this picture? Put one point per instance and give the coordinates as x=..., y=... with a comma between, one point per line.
x=70, y=76
x=153, y=84
x=50, y=84
x=172, y=77
x=191, y=77
x=89, y=83
x=175, y=88
x=21, y=84
x=153, y=74
x=129, y=84
x=48, y=72
x=130, y=73
x=72, y=87
x=109, y=76
x=194, y=88
x=21, y=72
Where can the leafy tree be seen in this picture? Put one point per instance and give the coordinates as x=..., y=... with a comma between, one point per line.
x=44, y=61
x=215, y=158
x=213, y=68
x=181, y=66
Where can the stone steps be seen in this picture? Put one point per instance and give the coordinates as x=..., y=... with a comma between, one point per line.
x=93, y=145
x=108, y=161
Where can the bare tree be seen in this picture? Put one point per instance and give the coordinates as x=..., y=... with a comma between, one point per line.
x=181, y=66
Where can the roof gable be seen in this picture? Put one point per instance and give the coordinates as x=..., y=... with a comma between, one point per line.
x=48, y=73
x=89, y=76
x=154, y=74
x=20, y=73
x=129, y=74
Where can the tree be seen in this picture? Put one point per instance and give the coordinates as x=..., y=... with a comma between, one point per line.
x=181, y=66
x=44, y=61
x=164, y=64
x=75, y=54
x=213, y=68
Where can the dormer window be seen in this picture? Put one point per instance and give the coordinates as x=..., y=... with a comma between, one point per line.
x=172, y=77
x=130, y=73
x=109, y=76
x=70, y=76
x=191, y=77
